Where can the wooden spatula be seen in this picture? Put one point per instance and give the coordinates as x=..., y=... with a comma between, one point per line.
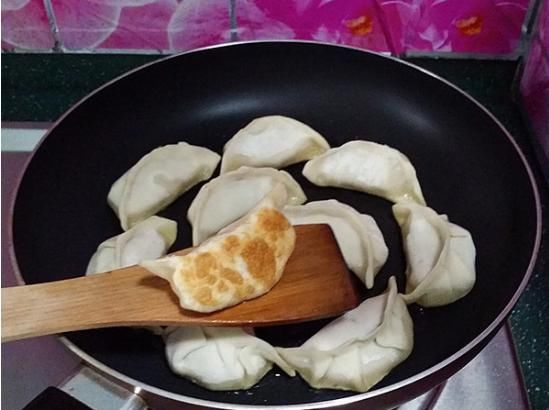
x=316, y=284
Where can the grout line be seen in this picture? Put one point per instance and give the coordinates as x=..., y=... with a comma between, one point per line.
x=533, y=13
x=233, y=21
x=53, y=25
x=515, y=55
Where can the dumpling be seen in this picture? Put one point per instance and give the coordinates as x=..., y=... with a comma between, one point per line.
x=220, y=358
x=358, y=349
x=149, y=239
x=358, y=236
x=230, y=196
x=157, y=179
x=272, y=141
x=440, y=256
x=244, y=261
x=368, y=167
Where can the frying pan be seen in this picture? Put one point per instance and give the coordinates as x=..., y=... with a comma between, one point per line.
x=468, y=166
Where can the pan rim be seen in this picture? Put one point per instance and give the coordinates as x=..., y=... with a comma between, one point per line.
x=496, y=323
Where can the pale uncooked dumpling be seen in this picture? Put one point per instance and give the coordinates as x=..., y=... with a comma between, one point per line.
x=368, y=167
x=357, y=235
x=230, y=196
x=157, y=179
x=243, y=261
x=440, y=256
x=357, y=350
x=220, y=358
x=148, y=239
x=272, y=141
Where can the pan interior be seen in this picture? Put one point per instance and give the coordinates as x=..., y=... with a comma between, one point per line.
x=466, y=166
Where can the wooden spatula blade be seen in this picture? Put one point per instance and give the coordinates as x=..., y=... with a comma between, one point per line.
x=316, y=284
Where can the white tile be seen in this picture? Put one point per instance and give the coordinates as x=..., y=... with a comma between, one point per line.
x=20, y=139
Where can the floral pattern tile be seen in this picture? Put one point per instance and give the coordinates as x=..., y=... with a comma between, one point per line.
x=25, y=25
x=163, y=25
x=395, y=26
x=479, y=26
x=464, y=26
x=354, y=23
x=198, y=23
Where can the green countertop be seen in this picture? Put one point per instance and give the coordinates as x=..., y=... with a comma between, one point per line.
x=40, y=87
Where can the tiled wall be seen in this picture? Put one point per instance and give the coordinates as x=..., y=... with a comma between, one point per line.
x=396, y=26
x=534, y=86
x=25, y=25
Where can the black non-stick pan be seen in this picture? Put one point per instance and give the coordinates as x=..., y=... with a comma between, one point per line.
x=467, y=164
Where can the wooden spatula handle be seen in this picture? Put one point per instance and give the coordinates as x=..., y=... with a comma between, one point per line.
x=75, y=304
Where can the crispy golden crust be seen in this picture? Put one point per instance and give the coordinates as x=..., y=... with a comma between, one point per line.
x=239, y=265
x=260, y=259
x=272, y=221
x=231, y=243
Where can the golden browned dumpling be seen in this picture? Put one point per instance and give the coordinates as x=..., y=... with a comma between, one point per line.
x=244, y=261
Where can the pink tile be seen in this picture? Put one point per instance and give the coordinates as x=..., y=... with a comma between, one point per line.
x=398, y=16
x=350, y=22
x=484, y=26
x=85, y=24
x=25, y=25
x=141, y=24
x=198, y=23
x=543, y=24
x=260, y=22
x=472, y=26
